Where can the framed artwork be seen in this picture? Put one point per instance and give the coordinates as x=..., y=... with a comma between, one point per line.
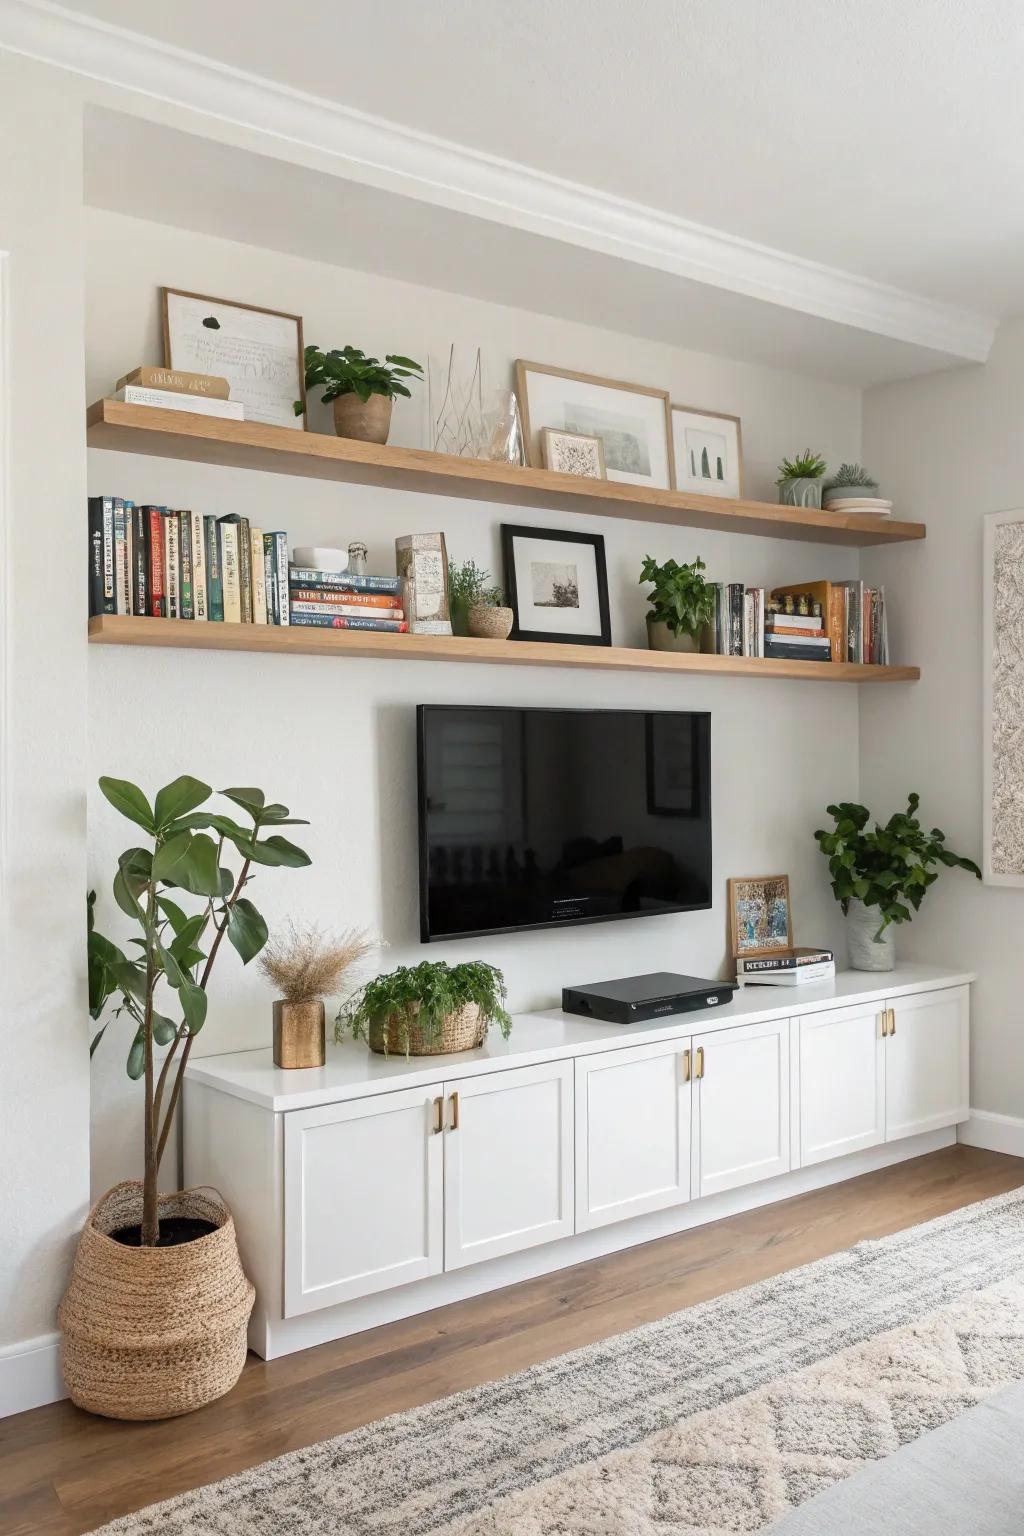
x=671, y=762
x=759, y=915
x=708, y=452
x=632, y=421
x=557, y=584
x=572, y=453
x=258, y=351
x=1003, y=686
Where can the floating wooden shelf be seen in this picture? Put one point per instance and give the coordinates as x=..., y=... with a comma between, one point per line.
x=351, y=643
x=249, y=445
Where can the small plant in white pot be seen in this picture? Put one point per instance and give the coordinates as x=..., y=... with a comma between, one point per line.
x=682, y=604
x=800, y=480
x=849, y=480
x=880, y=876
x=362, y=388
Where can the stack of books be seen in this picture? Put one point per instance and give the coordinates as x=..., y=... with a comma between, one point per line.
x=173, y=390
x=787, y=968
x=797, y=637
x=810, y=621
x=738, y=625
x=343, y=600
x=167, y=564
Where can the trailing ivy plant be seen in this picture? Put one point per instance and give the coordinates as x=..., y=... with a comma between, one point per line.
x=424, y=994
x=887, y=867
x=681, y=598
x=348, y=371
x=177, y=949
x=806, y=466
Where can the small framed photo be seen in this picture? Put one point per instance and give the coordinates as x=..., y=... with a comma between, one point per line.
x=671, y=753
x=258, y=351
x=708, y=452
x=632, y=421
x=572, y=453
x=759, y=915
x=557, y=584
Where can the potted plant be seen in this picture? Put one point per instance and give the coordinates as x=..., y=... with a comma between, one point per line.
x=800, y=480
x=154, y=1318
x=306, y=965
x=879, y=875
x=682, y=604
x=848, y=480
x=490, y=617
x=476, y=606
x=428, y=1009
x=361, y=387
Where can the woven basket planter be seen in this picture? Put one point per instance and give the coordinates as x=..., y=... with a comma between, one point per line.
x=462, y=1030
x=149, y=1333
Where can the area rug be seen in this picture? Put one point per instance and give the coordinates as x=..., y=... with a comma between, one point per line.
x=719, y=1419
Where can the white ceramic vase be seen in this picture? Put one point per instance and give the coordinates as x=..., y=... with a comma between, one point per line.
x=868, y=953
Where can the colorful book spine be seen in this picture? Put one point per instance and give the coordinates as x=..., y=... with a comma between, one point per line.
x=281, y=575
x=109, y=574
x=95, y=555
x=245, y=569
x=140, y=582
x=269, y=579
x=354, y=610
x=155, y=562
x=172, y=566
x=301, y=576
x=345, y=595
x=324, y=621
x=257, y=577
x=197, y=543
x=214, y=573
x=231, y=570
x=185, y=600
x=122, y=561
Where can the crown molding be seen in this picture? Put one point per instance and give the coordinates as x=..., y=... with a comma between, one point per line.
x=386, y=155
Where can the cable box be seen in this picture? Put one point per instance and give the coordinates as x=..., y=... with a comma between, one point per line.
x=631, y=999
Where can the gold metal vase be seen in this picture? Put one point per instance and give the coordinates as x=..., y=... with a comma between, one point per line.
x=300, y=1036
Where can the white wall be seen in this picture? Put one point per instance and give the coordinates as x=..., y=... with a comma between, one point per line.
x=335, y=739
x=948, y=449
x=44, y=1067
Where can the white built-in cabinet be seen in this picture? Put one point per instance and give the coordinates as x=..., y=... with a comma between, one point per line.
x=926, y=1067
x=741, y=1124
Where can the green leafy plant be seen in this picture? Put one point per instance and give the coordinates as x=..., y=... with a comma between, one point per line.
x=806, y=466
x=887, y=867
x=348, y=371
x=470, y=587
x=852, y=475
x=425, y=993
x=681, y=598
x=177, y=949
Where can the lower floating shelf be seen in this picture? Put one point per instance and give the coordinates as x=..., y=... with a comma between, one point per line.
x=187, y=635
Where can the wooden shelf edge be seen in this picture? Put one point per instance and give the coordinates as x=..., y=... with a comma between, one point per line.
x=112, y=425
x=186, y=634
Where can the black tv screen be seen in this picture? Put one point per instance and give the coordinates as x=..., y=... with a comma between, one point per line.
x=541, y=818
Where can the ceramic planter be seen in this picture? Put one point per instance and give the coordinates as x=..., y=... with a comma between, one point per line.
x=488, y=623
x=866, y=952
x=367, y=420
x=661, y=638
x=801, y=492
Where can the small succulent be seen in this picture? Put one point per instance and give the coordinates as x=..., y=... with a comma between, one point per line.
x=852, y=476
x=806, y=466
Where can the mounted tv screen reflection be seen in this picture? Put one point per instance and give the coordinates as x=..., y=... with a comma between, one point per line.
x=540, y=818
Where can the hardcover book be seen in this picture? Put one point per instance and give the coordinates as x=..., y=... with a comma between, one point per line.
x=177, y=382
x=155, y=561
x=186, y=609
x=200, y=599
x=257, y=576
x=214, y=578
x=281, y=574
x=301, y=576
x=170, y=400
x=325, y=621
x=231, y=569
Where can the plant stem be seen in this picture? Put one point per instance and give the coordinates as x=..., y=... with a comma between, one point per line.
x=150, y=1233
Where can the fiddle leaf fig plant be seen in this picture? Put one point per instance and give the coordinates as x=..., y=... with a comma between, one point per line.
x=348, y=371
x=163, y=986
x=681, y=598
x=888, y=867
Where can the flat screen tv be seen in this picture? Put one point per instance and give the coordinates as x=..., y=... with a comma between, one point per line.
x=543, y=818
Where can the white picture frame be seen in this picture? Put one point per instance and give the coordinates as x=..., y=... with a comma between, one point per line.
x=1002, y=684
x=707, y=448
x=632, y=420
x=259, y=352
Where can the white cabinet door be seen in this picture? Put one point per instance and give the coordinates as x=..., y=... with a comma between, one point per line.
x=926, y=1072
x=839, y=1083
x=741, y=1114
x=508, y=1162
x=363, y=1186
x=632, y=1132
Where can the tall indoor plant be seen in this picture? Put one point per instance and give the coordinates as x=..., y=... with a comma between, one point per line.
x=879, y=875
x=682, y=604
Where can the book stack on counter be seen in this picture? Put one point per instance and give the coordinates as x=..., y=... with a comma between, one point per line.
x=787, y=968
x=204, y=394
x=325, y=599
x=167, y=564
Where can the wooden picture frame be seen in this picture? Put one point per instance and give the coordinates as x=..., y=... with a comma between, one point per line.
x=750, y=937
x=525, y=604
x=254, y=409
x=549, y=441
x=594, y=381
x=681, y=481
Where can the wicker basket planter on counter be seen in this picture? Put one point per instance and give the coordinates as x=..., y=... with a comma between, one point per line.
x=430, y=1009
x=462, y=1030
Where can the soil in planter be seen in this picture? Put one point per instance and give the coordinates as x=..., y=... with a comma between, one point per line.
x=174, y=1230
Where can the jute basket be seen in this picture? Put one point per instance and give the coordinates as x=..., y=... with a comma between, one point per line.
x=149, y=1333
x=462, y=1030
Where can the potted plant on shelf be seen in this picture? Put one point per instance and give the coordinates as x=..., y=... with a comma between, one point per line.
x=800, y=480
x=306, y=966
x=361, y=387
x=879, y=875
x=429, y=1009
x=477, y=607
x=682, y=604
x=848, y=480
x=154, y=1319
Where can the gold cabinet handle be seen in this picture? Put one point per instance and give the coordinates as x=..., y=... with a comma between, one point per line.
x=892, y=1021
x=884, y=1016
x=888, y=1022
x=700, y=1062
x=686, y=1066
x=454, y=1101
x=439, y=1114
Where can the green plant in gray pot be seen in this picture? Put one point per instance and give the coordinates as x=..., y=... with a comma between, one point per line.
x=849, y=480
x=682, y=604
x=799, y=480
x=880, y=876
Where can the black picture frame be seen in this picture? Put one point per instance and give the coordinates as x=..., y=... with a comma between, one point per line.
x=510, y=532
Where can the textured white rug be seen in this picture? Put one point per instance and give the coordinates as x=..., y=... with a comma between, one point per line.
x=718, y=1419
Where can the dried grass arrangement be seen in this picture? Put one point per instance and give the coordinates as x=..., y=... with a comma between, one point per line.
x=306, y=965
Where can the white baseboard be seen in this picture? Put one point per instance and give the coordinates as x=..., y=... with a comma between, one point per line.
x=30, y=1374
x=996, y=1133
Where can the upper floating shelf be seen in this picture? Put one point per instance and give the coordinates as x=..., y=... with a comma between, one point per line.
x=249, y=445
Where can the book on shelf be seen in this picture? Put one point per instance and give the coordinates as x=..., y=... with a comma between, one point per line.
x=185, y=586
x=172, y=564
x=303, y=576
x=279, y=559
x=795, y=959
x=343, y=610
x=258, y=575
x=200, y=580
x=171, y=400
x=807, y=976
x=328, y=621
x=326, y=596
x=177, y=382
x=214, y=581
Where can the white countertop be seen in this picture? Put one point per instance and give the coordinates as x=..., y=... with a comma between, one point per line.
x=353, y=1071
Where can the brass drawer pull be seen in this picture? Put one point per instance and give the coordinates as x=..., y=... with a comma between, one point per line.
x=686, y=1066
x=700, y=1062
x=454, y=1100
x=438, y=1115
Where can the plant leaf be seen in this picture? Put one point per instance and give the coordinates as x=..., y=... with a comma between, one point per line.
x=251, y=800
x=178, y=798
x=136, y=1063
x=276, y=851
x=198, y=871
x=193, y=1005
x=164, y=1029
x=175, y=916
x=129, y=800
x=97, y=1037
x=246, y=929
x=169, y=855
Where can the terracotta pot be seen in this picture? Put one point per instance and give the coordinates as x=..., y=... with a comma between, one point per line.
x=490, y=623
x=367, y=420
x=300, y=1037
x=661, y=638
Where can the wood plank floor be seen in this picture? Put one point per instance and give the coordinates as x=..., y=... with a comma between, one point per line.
x=63, y=1472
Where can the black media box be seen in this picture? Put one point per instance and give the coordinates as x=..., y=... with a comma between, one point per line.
x=634, y=998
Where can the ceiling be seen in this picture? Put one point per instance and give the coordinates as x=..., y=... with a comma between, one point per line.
x=879, y=138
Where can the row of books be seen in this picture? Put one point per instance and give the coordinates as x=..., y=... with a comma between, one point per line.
x=812, y=621
x=787, y=968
